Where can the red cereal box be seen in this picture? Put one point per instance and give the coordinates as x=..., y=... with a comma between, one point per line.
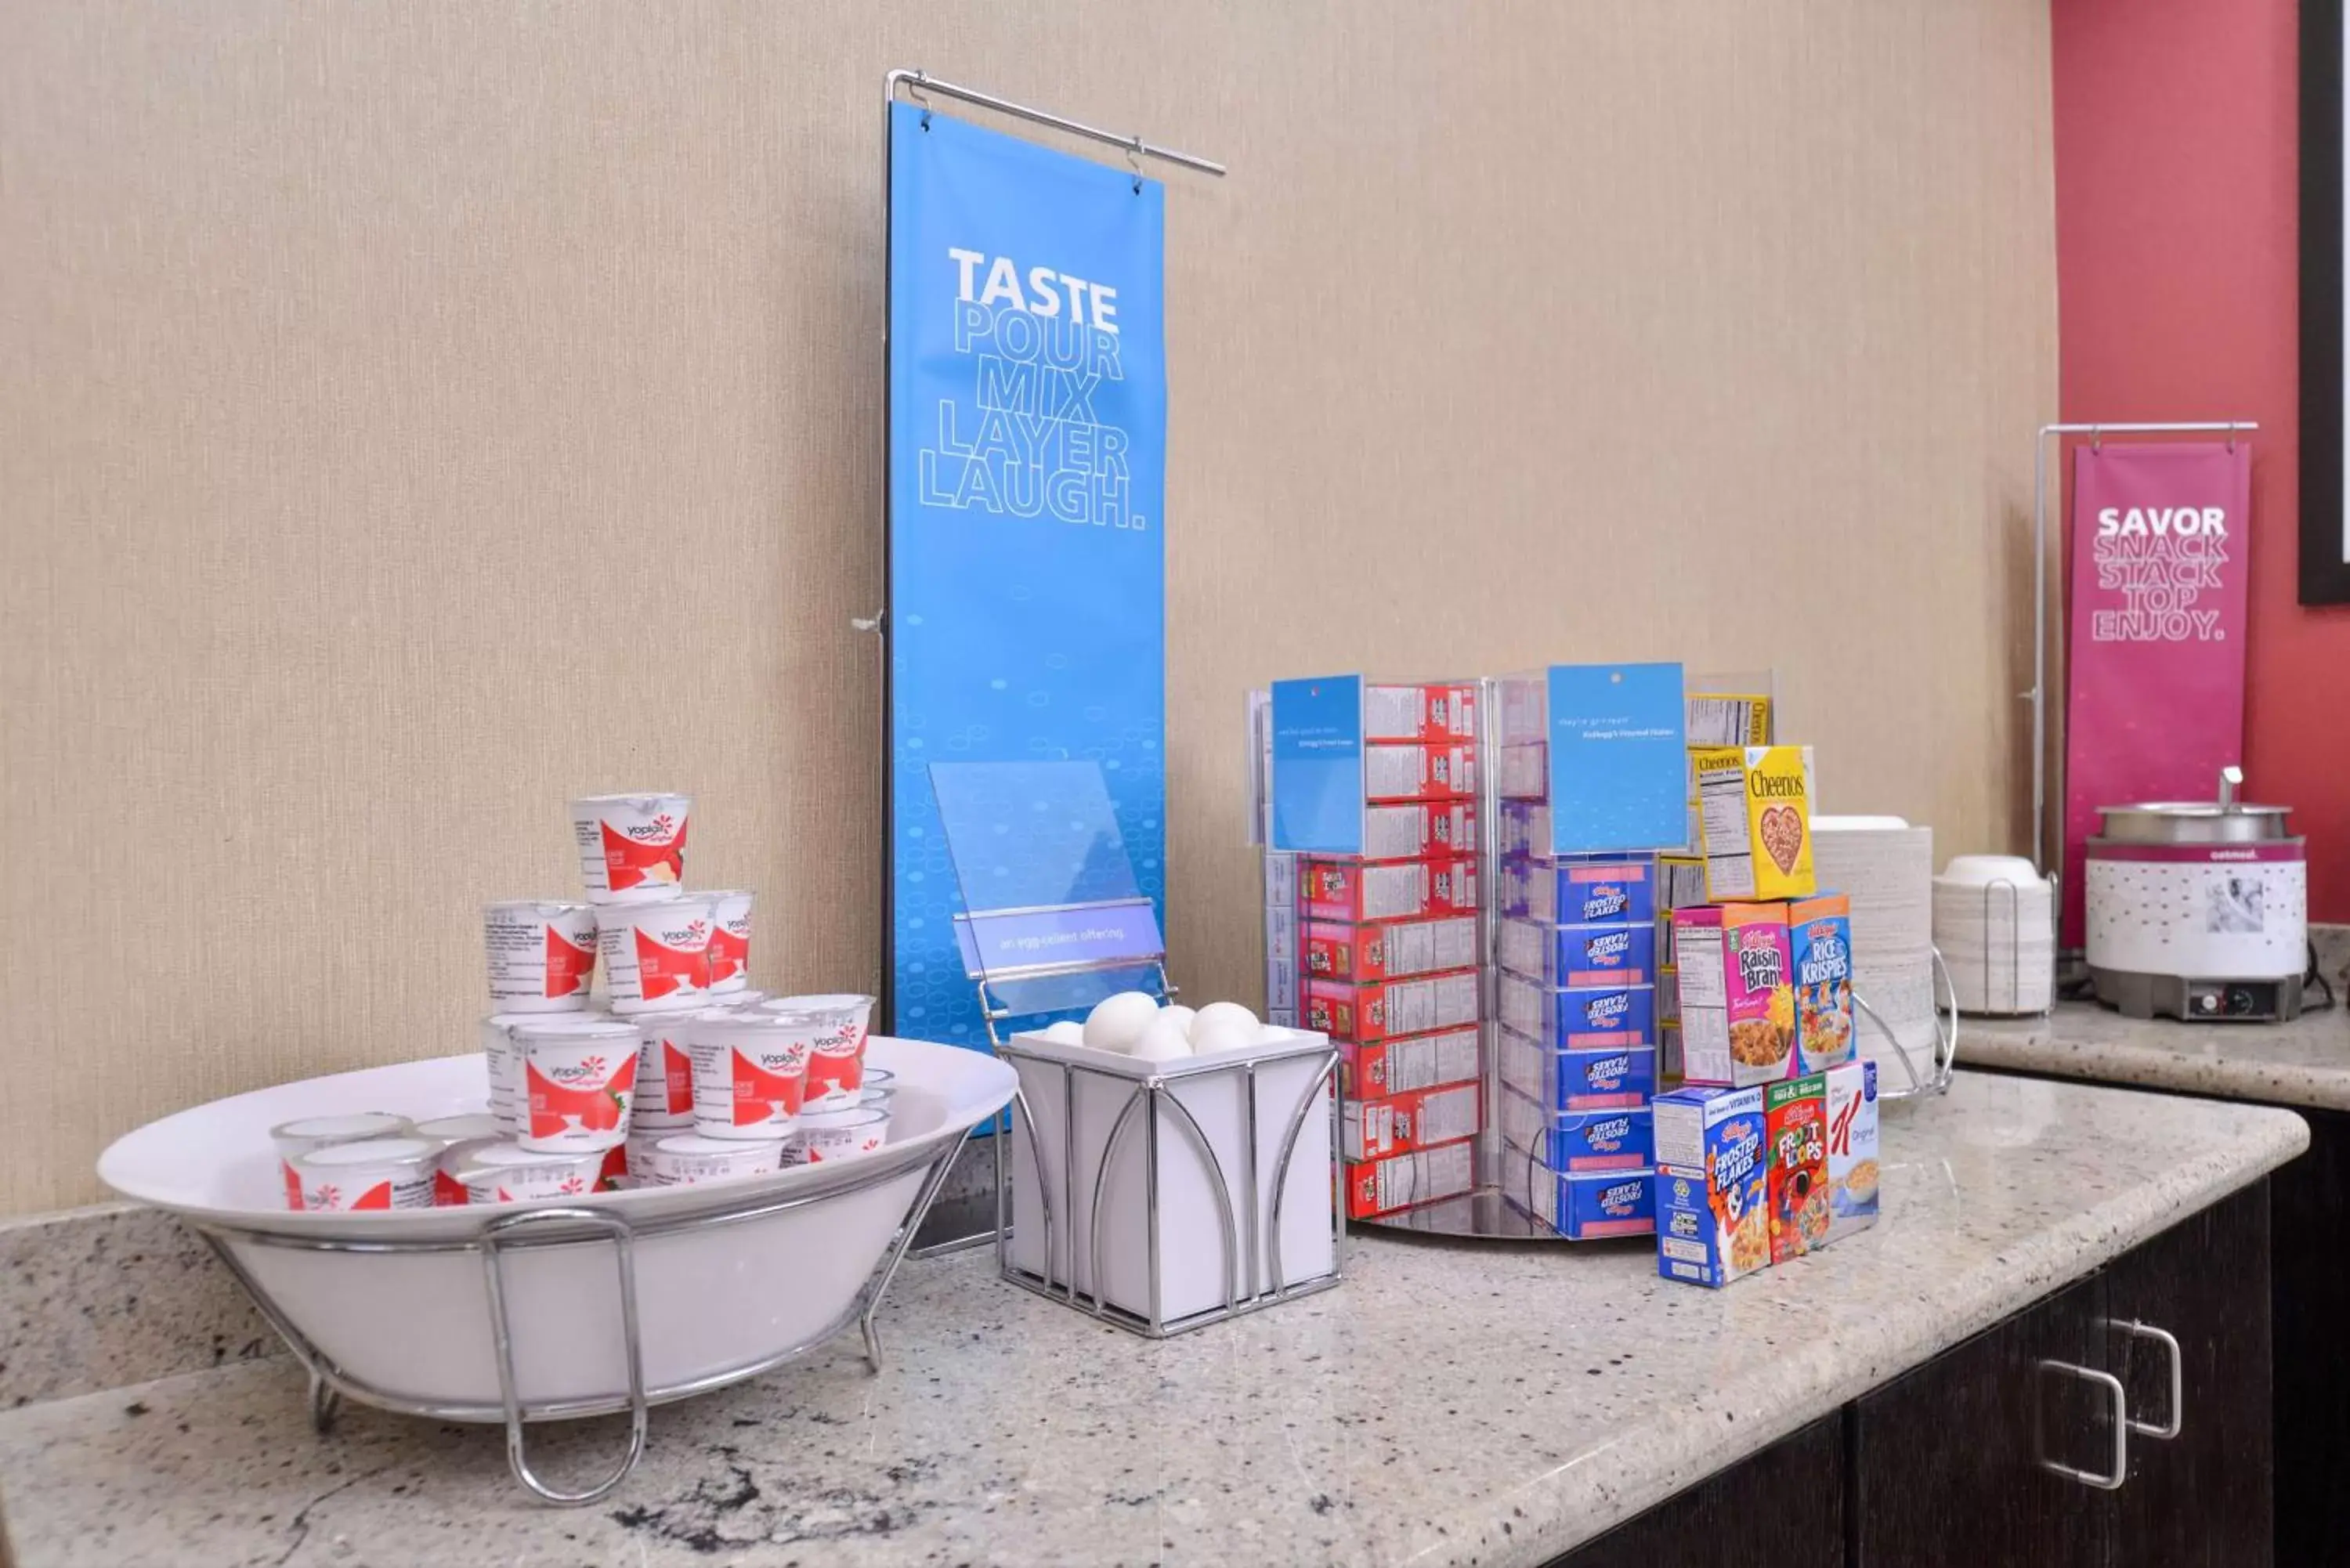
x=1383, y=1186
x=1357, y=891
x=1446, y=710
x=1400, y=1124
x=1410, y=771
x=1374, y=1012
x=1367, y=1071
x=1420, y=827
x=1384, y=949
x=1795, y=1116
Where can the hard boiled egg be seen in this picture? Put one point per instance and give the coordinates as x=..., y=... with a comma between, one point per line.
x=1163, y=1040
x=1067, y=1031
x=1221, y=1034
x=1230, y=1012
x=1117, y=1023
x=1180, y=1014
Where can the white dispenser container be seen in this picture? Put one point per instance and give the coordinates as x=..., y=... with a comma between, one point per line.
x=1190, y=1189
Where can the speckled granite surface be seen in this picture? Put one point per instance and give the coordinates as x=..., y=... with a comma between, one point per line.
x=1447, y=1405
x=2304, y=1063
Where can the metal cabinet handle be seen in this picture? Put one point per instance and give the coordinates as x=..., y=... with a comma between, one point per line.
x=2113, y=1386
x=2163, y=1432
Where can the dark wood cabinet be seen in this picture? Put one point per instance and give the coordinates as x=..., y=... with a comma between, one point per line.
x=2000, y=1450
x=2309, y=1310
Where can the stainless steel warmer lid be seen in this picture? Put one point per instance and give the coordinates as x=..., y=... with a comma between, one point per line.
x=2223, y=821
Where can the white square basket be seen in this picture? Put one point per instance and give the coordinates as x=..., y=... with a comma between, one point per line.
x=1166, y=1196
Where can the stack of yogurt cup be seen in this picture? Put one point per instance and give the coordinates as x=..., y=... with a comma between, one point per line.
x=685, y=1075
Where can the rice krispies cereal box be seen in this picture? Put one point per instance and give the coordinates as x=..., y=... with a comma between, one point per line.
x=1819, y=946
x=1374, y=1012
x=1387, y=950
x=1794, y=1115
x=1578, y=892
x=1444, y=710
x=1754, y=818
x=1578, y=955
x=1737, y=993
x=1615, y=1079
x=1357, y=891
x=1414, y=1119
x=1712, y=1184
x=1851, y=1098
x=1365, y=1072
x=1379, y=1186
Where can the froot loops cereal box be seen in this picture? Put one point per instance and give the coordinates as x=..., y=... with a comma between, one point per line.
x=1819, y=944
x=1712, y=1184
x=1754, y=820
x=1794, y=1116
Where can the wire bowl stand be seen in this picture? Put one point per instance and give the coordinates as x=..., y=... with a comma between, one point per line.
x=1944, y=1053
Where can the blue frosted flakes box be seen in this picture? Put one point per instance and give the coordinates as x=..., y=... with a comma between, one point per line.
x=1578, y=955
x=1589, y=1205
x=1578, y=1018
x=1616, y=1079
x=1712, y=1171
x=1620, y=1138
x=1579, y=892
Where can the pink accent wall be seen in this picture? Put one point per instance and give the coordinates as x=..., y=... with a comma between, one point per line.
x=2178, y=275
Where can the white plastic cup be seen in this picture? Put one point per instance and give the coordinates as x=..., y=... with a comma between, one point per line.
x=578, y=1082
x=750, y=1073
x=378, y=1173
x=839, y=1070
x=836, y=1135
x=656, y=956
x=687, y=1160
x=737, y=1001
x=299, y=1136
x=638, y=1152
x=631, y=846
x=509, y=1173
x=664, y=1072
x=542, y=954
x=458, y=1128
x=509, y=1099
x=730, y=943
x=447, y=1169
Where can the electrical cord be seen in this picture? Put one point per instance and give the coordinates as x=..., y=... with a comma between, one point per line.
x=2318, y=980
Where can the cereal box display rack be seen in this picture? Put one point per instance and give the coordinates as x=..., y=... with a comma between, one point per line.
x=608, y=1206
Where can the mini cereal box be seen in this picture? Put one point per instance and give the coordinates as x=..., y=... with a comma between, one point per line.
x=1590, y=1206
x=1819, y=944
x=1579, y=1018
x=1578, y=1080
x=1568, y=1141
x=1366, y=1072
x=1383, y=1186
x=1712, y=1184
x=1754, y=818
x=1579, y=892
x=1795, y=1116
x=1446, y=710
x=1420, y=827
x=1343, y=889
x=1414, y=772
x=1578, y=955
x=1374, y=1012
x=1387, y=950
x=1737, y=996
x=1852, y=1147
x=1415, y=1120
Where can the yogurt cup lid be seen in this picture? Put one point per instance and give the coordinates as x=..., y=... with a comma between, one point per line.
x=572, y=1025
x=830, y=1001
x=375, y=1151
x=509, y=1156
x=449, y=1129
x=849, y=1116
x=694, y=1144
x=535, y=905
x=348, y=1128
x=620, y=916
x=629, y=797
x=729, y=1023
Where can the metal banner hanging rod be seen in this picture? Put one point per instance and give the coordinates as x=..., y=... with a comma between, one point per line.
x=916, y=83
x=2038, y=695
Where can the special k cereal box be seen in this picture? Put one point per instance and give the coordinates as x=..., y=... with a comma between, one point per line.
x=1389, y=949
x=1851, y=1097
x=1387, y=1007
x=1712, y=1184
x=1795, y=1117
x=1446, y=710
x=1347, y=889
x=1754, y=820
x=1420, y=827
x=1366, y=1072
x=1819, y=944
x=1379, y=1186
x=1737, y=994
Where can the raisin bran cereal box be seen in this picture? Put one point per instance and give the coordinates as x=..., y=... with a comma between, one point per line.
x=1795, y=1117
x=1852, y=1147
x=1712, y=1184
x=1366, y=1072
x=1386, y=949
x=1754, y=818
x=1819, y=945
x=1737, y=993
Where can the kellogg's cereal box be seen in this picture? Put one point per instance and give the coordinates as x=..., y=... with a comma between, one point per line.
x=1579, y=892
x=1795, y=1117
x=1819, y=943
x=1415, y=772
x=1380, y=1186
x=1386, y=1007
x=1423, y=828
x=1737, y=993
x=1524, y=830
x=1415, y=1120
x=1581, y=1018
x=1577, y=1080
x=1754, y=820
x=1852, y=1147
x=1578, y=955
x=1712, y=1184
x=1347, y=889
x=1567, y=1141
x=1445, y=711
x=1589, y=1205
x=1384, y=949
x=1365, y=1072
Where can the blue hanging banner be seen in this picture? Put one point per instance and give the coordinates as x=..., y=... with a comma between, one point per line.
x=1027, y=557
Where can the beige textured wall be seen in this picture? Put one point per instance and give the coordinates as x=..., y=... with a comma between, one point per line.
x=413, y=415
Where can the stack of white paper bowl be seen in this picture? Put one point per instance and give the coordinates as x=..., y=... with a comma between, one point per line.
x=1995, y=921
x=1886, y=867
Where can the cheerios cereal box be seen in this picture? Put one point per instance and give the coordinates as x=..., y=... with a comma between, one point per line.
x=1712, y=1184
x=1754, y=821
x=1852, y=1147
x=1737, y=993
x=1794, y=1115
x=1819, y=946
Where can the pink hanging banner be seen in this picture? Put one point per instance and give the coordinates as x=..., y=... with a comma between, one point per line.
x=2154, y=695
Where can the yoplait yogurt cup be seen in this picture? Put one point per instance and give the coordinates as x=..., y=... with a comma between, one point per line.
x=664, y=1072
x=298, y=1138
x=656, y=956
x=509, y=1173
x=631, y=846
x=542, y=954
x=578, y=1084
x=448, y=1185
x=837, y=1134
x=381, y=1173
x=750, y=1072
x=837, y=1069
x=689, y=1159
x=730, y=941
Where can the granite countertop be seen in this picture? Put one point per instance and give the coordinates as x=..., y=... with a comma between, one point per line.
x=1449, y=1403
x=2304, y=1063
